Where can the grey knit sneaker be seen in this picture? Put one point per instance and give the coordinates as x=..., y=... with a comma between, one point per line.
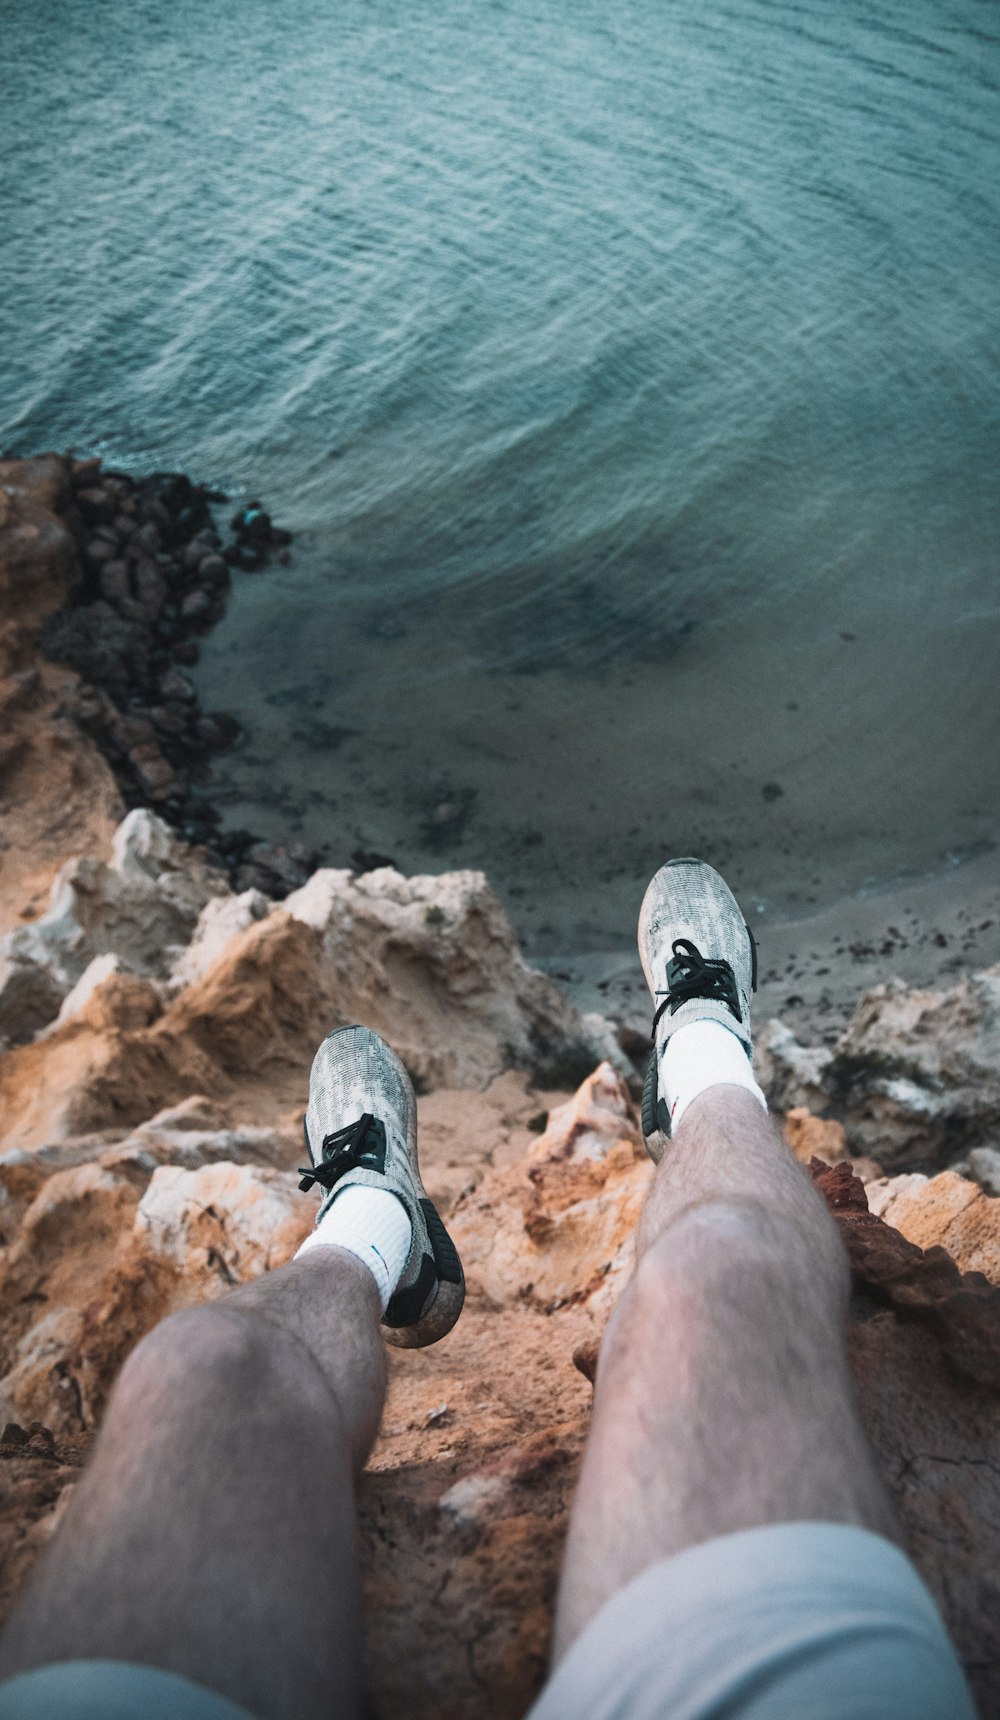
x=700, y=960
x=361, y=1128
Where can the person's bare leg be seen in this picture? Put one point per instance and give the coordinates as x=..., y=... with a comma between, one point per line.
x=213, y=1534
x=723, y=1399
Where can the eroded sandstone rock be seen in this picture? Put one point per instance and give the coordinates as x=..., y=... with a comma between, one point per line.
x=914, y=1079
x=947, y=1211
x=433, y=963
x=219, y=922
x=472, y=1476
x=150, y=1138
x=142, y=909
x=917, y=1072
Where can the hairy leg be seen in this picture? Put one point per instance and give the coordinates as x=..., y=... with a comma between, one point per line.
x=723, y=1399
x=213, y=1533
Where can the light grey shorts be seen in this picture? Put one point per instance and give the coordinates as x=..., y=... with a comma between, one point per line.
x=799, y=1621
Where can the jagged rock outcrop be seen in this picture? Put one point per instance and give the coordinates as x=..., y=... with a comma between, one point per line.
x=149, y=1136
x=434, y=964
x=138, y=912
x=946, y=1209
x=914, y=1077
x=148, y=980
x=920, y=1069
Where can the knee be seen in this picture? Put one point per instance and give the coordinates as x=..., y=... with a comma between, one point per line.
x=197, y=1346
x=727, y=1253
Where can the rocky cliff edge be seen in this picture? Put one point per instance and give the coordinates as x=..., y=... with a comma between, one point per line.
x=156, y=1029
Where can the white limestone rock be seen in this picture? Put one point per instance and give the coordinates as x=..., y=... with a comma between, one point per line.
x=93, y=976
x=220, y=919
x=916, y=1071
x=223, y=1224
x=141, y=908
x=433, y=963
x=983, y=1167
x=193, y=1134
x=790, y=1074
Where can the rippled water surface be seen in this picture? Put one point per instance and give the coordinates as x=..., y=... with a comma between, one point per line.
x=630, y=376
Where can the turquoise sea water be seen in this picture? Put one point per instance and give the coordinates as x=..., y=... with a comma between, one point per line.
x=630, y=375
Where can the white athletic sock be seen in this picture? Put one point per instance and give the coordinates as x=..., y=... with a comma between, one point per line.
x=703, y=1054
x=371, y=1224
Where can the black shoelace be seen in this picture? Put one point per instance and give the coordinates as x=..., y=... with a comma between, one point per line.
x=344, y=1150
x=690, y=975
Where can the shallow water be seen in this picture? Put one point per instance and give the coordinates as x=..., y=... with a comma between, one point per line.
x=631, y=379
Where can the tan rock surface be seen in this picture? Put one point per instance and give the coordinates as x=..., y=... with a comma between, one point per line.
x=949, y=1212
x=433, y=963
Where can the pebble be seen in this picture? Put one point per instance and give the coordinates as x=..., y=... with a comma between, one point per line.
x=175, y=685
x=214, y=569
x=195, y=606
x=114, y=582
x=100, y=549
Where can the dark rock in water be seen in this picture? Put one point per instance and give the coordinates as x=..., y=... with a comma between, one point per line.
x=369, y=860
x=196, y=550
x=174, y=685
x=100, y=550
x=772, y=791
x=152, y=511
x=245, y=555
x=196, y=608
x=186, y=652
x=85, y=473
x=132, y=610
x=119, y=484
x=173, y=489
x=148, y=537
x=218, y=731
x=276, y=869
x=248, y=877
x=214, y=570
x=146, y=574
x=135, y=730
x=235, y=844
x=96, y=505
x=167, y=720
x=114, y=583
x=150, y=590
